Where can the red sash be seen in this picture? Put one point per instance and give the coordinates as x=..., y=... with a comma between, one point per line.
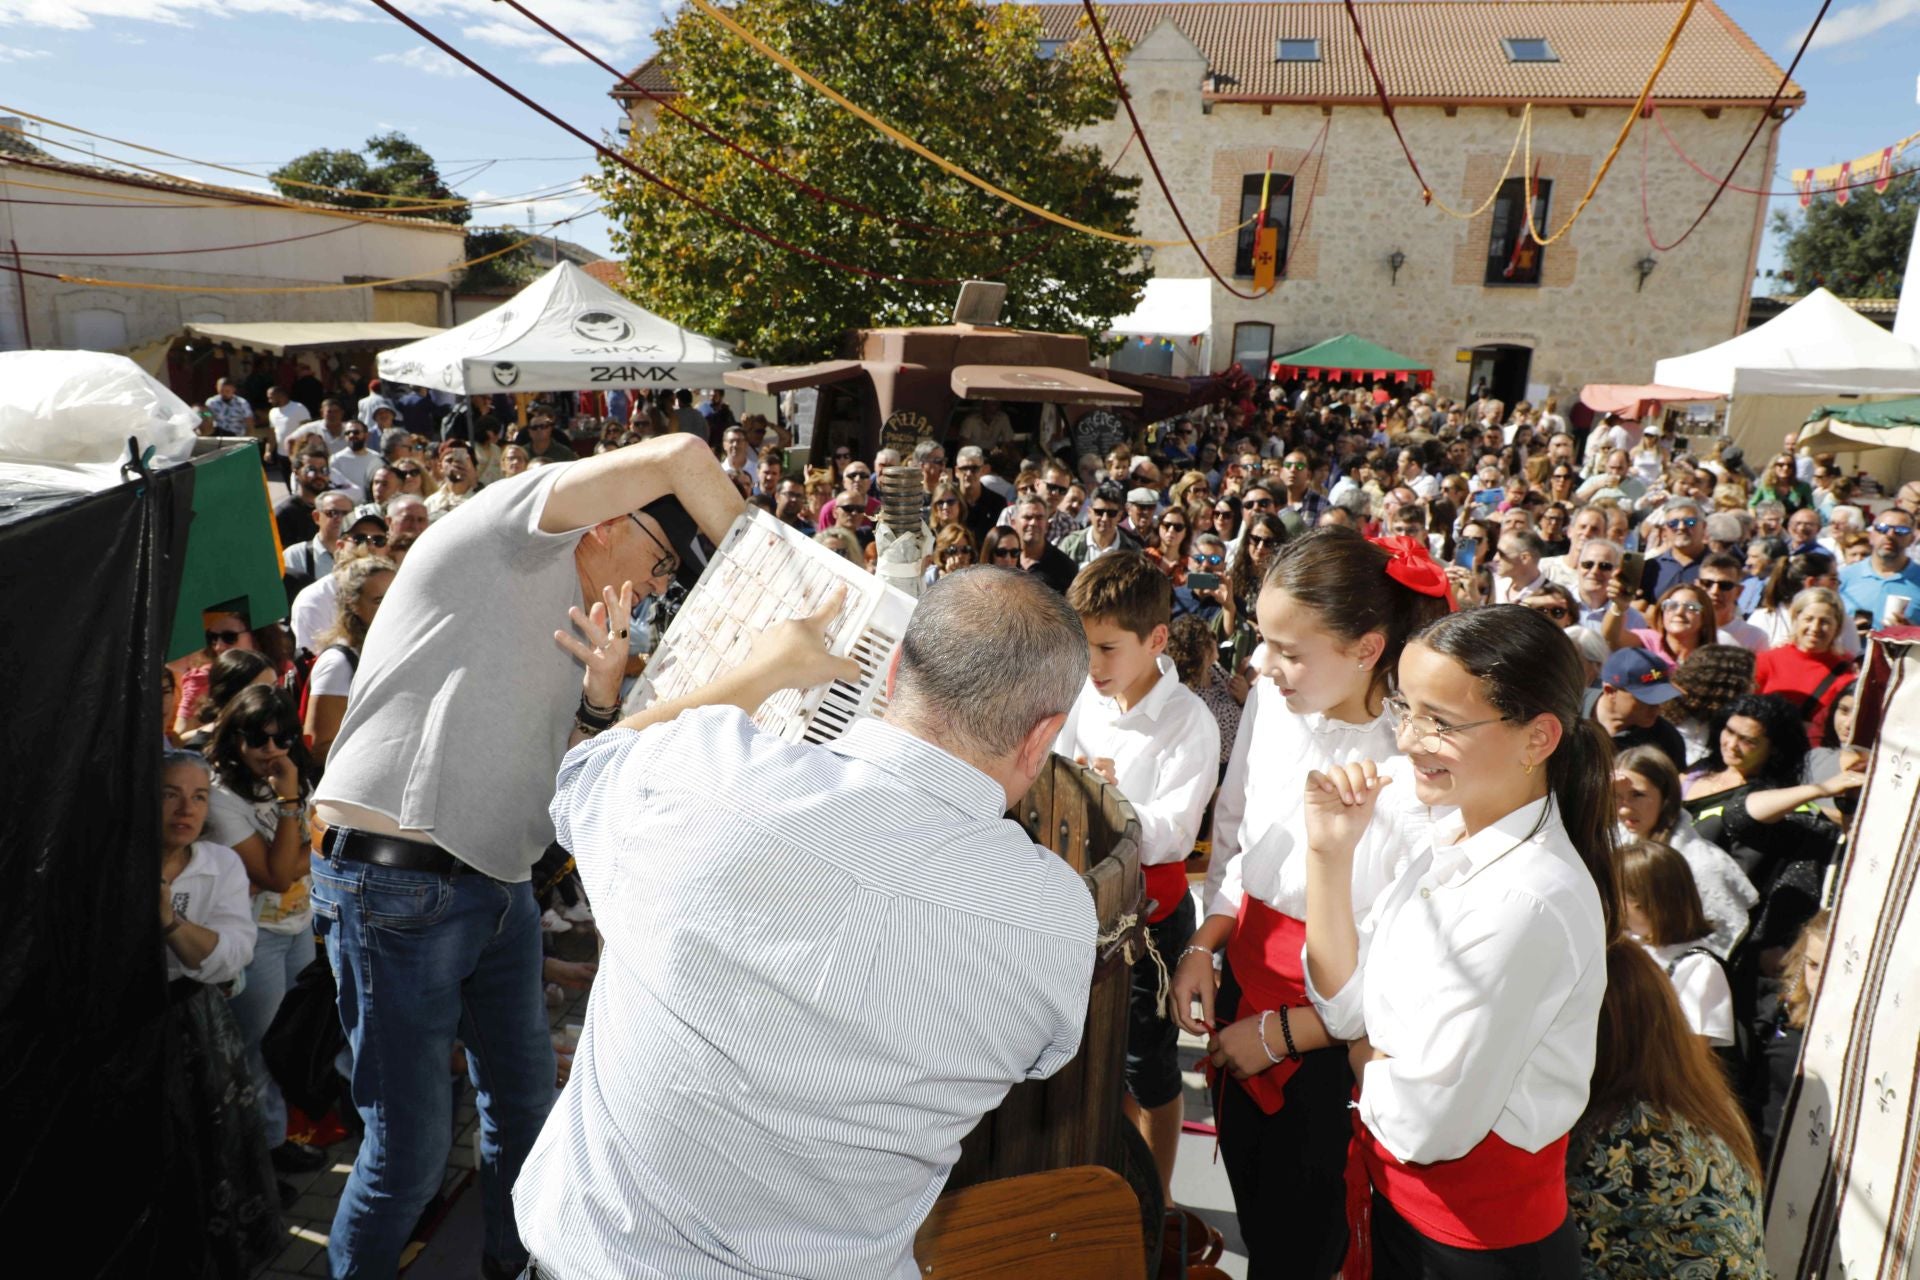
x=1166, y=885
x=1265, y=955
x=1494, y=1197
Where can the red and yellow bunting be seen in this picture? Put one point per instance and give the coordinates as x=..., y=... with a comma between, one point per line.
x=1875, y=169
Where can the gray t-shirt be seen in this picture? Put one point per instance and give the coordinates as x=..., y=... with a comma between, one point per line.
x=462, y=702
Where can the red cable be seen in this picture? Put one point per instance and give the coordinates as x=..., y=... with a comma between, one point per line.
x=658, y=181
x=1673, y=142
x=1386, y=105
x=1120, y=87
x=798, y=182
x=1753, y=137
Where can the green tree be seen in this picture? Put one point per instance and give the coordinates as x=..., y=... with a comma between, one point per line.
x=393, y=165
x=1857, y=249
x=969, y=81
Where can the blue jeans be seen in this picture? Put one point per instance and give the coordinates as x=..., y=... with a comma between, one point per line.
x=278, y=959
x=422, y=959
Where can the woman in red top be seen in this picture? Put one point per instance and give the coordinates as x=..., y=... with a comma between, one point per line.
x=1808, y=671
x=1683, y=621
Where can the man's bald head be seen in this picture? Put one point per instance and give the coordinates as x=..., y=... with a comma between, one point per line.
x=990, y=654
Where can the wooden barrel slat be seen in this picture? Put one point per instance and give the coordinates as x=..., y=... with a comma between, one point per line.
x=1074, y=1117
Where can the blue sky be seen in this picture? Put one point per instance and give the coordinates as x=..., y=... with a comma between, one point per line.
x=255, y=82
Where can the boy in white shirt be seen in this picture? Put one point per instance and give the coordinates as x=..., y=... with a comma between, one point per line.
x=1149, y=735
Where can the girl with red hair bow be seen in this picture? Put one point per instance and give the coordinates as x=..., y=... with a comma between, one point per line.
x=1334, y=612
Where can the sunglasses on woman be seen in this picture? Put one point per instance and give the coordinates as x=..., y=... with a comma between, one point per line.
x=223, y=637
x=1259, y=541
x=1006, y=553
x=406, y=473
x=258, y=738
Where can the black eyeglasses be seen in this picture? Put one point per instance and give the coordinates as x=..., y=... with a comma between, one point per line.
x=406, y=472
x=1055, y=488
x=1558, y=612
x=1257, y=504
x=1006, y=553
x=667, y=564
x=223, y=637
x=1707, y=584
x=367, y=539
x=258, y=738
x=851, y=474
x=967, y=468
x=946, y=502
x=1259, y=541
x=1598, y=566
x=1104, y=513
x=1172, y=524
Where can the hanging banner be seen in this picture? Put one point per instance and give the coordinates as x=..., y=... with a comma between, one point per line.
x=1839, y=179
x=1266, y=257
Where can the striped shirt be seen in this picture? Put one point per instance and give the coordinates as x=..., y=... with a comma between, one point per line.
x=821, y=966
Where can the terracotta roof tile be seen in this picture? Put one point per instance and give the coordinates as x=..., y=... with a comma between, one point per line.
x=1445, y=50
x=606, y=271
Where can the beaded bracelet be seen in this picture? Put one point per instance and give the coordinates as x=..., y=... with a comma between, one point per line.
x=1264, y=1046
x=1286, y=1033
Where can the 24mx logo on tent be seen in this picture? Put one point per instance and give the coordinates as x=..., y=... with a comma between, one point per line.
x=632, y=373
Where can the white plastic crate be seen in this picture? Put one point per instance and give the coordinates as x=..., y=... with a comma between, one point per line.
x=765, y=572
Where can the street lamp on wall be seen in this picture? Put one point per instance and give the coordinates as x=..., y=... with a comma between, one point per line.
x=1645, y=267
x=1396, y=260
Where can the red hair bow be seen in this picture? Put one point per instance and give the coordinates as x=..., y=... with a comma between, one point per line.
x=1412, y=565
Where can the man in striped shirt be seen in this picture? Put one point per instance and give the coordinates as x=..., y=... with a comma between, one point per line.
x=822, y=964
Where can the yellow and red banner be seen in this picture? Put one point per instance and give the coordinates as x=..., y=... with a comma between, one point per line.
x=1876, y=168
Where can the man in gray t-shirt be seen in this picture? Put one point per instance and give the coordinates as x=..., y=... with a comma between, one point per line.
x=436, y=797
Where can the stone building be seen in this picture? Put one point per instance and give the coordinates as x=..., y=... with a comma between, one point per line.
x=1221, y=86
x=199, y=243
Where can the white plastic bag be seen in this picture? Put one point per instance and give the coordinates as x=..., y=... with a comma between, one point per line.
x=76, y=409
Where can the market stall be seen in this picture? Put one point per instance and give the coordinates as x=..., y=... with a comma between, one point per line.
x=1170, y=333
x=1857, y=428
x=564, y=332
x=1777, y=374
x=1350, y=358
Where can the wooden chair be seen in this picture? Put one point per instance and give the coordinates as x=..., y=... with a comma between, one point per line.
x=1080, y=1223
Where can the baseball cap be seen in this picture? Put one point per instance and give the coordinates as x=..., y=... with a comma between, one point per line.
x=367, y=511
x=1647, y=676
x=1142, y=497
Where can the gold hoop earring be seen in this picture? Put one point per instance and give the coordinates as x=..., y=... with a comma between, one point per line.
x=1529, y=768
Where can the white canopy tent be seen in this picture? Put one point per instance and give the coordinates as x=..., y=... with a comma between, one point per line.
x=1814, y=351
x=1173, y=308
x=564, y=332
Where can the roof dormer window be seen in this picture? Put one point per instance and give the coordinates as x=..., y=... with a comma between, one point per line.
x=1528, y=49
x=1296, y=50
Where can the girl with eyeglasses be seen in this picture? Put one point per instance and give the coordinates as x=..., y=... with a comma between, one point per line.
x=1226, y=517
x=262, y=797
x=1263, y=536
x=1334, y=613
x=1471, y=991
x=1682, y=622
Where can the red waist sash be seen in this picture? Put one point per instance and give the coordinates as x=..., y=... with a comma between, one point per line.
x=1265, y=955
x=1494, y=1197
x=1166, y=885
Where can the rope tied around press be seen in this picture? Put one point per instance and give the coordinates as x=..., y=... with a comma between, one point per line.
x=1125, y=925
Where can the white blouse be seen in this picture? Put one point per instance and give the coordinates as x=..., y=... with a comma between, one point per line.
x=1259, y=820
x=1480, y=977
x=1701, y=985
x=211, y=891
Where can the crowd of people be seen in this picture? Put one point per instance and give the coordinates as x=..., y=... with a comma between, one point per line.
x=1522, y=756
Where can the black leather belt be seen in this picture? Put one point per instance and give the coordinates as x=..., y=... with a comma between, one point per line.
x=349, y=845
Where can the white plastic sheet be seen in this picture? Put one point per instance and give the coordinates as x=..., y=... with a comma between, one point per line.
x=70, y=414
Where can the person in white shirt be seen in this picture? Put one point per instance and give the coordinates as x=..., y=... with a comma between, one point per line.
x=1517, y=559
x=312, y=611
x=822, y=964
x=1587, y=522
x=1646, y=794
x=1471, y=994
x=1660, y=906
x=331, y=428
x=353, y=466
x=1140, y=728
x=1333, y=616
x=284, y=415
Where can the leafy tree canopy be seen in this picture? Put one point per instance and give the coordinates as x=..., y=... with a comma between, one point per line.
x=1857, y=249
x=391, y=164
x=968, y=80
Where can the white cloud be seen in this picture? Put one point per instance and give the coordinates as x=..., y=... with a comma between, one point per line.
x=611, y=28
x=1844, y=26
x=10, y=53
x=420, y=58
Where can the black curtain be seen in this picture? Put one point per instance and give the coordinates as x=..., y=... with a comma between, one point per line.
x=87, y=592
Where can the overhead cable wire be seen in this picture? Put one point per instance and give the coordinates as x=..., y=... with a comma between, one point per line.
x=167, y=253
x=1870, y=180
x=801, y=184
x=1786, y=78
x=966, y=175
x=155, y=287
x=1526, y=131
x=292, y=182
x=670, y=188
x=1146, y=150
